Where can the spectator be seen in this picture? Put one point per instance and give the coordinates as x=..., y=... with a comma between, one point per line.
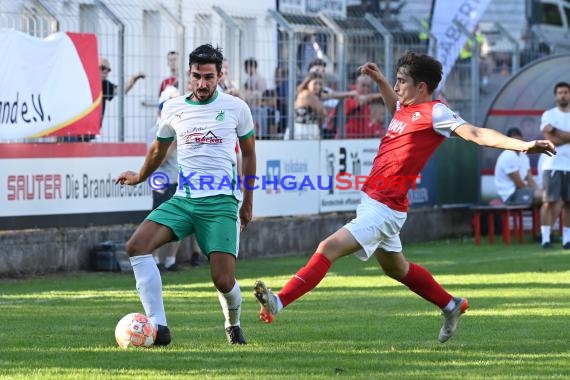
x=226, y=84
x=172, y=80
x=363, y=114
x=556, y=209
x=282, y=94
x=265, y=115
x=555, y=124
x=513, y=178
x=329, y=97
x=309, y=110
x=109, y=90
x=254, y=81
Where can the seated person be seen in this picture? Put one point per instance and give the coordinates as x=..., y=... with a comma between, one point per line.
x=513, y=178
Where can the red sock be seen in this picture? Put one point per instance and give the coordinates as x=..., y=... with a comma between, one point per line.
x=306, y=279
x=421, y=282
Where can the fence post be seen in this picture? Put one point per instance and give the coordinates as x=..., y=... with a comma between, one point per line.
x=181, y=32
x=341, y=36
x=292, y=69
x=388, y=42
x=233, y=25
x=475, y=83
x=121, y=83
x=516, y=51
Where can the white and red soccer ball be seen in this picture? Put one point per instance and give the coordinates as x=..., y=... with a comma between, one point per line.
x=135, y=329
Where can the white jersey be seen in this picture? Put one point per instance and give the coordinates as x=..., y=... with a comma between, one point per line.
x=510, y=162
x=206, y=134
x=559, y=120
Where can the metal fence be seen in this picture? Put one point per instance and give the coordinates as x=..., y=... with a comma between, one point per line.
x=135, y=37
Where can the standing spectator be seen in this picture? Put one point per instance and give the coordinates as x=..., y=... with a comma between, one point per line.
x=309, y=109
x=555, y=124
x=555, y=210
x=265, y=115
x=109, y=91
x=282, y=94
x=164, y=188
x=363, y=113
x=227, y=84
x=109, y=88
x=513, y=178
x=172, y=80
x=254, y=81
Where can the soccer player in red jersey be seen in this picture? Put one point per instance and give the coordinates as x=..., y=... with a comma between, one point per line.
x=418, y=127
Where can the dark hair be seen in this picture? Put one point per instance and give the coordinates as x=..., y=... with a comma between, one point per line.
x=172, y=52
x=250, y=62
x=561, y=84
x=514, y=132
x=207, y=54
x=310, y=76
x=317, y=62
x=422, y=68
x=269, y=93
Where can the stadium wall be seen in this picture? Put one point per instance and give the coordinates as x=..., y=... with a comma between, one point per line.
x=52, y=250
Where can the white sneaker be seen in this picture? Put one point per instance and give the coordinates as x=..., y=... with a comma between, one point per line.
x=450, y=319
x=267, y=300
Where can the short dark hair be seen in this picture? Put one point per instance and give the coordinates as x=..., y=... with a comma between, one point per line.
x=561, y=84
x=250, y=62
x=514, y=132
x=172, y=52
x=207, y=54
x=422, y=68
x=317, y=62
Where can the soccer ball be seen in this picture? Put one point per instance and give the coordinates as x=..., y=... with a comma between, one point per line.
x=135, y=329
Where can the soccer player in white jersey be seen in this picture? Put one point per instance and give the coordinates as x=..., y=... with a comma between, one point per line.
x=206, y=125
x=418, y=127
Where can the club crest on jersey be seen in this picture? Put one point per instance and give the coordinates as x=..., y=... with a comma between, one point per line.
x=416, y=116
x=220, y=116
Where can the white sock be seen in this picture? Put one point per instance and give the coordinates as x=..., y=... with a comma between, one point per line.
x=156, y=259
x=565, y=235
x=450, y=306
x=279, y=303
x=231, y=305
x=169, y=261
x=149, y=286
x=545, y=232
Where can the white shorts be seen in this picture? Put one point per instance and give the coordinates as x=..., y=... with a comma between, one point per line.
x=376, y=226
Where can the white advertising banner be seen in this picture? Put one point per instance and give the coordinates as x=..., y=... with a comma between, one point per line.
x=55, y=179
x=288, y=178
x=39, y=186
x=355, y=159
x=47, y=85
x=450, y=39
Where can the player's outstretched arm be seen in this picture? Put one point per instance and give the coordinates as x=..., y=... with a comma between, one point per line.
x=494, y=139
x=247, y=147
x=154, y=158
x=386, y=89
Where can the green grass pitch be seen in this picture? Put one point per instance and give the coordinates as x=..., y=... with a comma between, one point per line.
x=358, y=324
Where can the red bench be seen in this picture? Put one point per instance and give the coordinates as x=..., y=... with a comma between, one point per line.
x=506, y=213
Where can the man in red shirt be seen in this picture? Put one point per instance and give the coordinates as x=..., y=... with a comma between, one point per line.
x=418, y=127
x=172, y=80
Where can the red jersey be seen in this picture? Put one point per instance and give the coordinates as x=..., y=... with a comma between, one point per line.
x=413, y=135
x=170, y=81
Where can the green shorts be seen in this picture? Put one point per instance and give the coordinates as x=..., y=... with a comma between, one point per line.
x=213, y=219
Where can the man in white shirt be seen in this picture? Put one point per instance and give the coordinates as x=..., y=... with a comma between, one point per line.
x=513, y=178
x=555, y=124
